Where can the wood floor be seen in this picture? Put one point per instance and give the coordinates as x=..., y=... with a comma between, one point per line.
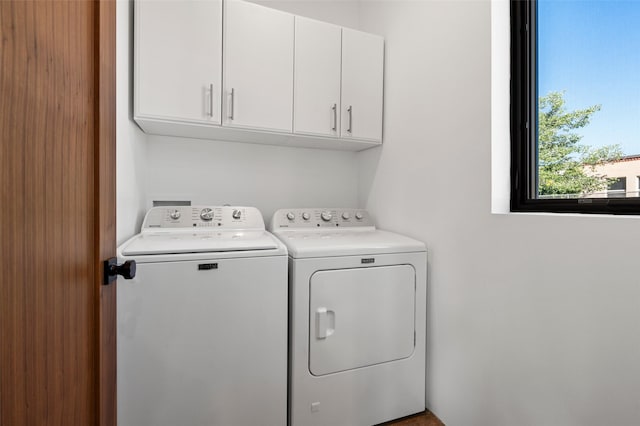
x=423, y=419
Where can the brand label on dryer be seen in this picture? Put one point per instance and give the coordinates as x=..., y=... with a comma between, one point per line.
x=207, y=266
x=368, y=260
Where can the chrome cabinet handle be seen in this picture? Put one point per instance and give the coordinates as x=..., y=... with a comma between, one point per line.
x=232, y=104
x=334, y=108
x=211, y=100
x=350, y=111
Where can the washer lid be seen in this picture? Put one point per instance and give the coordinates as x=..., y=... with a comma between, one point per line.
x=150, y=243
x=324, y=243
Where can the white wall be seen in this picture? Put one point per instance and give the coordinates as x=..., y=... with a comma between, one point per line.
x=339, y=12
x=530, y=322
x=268, y=177
x=214, y=172
x=130, y=140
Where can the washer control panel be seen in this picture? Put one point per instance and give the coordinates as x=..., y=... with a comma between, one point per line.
x=320, y=218
x=219, y=217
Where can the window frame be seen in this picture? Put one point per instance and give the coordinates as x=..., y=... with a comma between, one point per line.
x=524, y=128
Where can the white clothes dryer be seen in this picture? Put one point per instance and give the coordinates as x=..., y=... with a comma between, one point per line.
x=357, y=313
x=202, y=329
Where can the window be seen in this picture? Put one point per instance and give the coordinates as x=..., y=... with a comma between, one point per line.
x=575, y=106
x=617, y=188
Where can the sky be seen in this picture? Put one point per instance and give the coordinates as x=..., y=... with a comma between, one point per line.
x=591, y=50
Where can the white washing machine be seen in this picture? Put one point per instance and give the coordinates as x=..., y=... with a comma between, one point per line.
x=357, y=312
x=202, y=328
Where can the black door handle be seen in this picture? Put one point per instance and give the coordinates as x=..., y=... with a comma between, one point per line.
x=112, y=270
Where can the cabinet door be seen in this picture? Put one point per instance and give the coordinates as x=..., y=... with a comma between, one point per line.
x=178, y=64
x=362, y=85
x=258, y=67
x=317, y=78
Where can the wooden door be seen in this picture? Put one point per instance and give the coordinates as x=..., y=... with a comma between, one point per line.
x=317, y=78
x=178, y=60
x=258, y=67
x=57, y=215
x=362, y=85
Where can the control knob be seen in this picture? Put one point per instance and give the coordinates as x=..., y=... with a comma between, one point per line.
x=346, y=216
x=326, y=216
x=291, y=216
x=237, y=214
x=359, y=215
x=306, y=216
x=206, y=214
x=175, y=215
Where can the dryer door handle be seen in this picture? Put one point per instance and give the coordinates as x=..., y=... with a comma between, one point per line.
x=325, y=323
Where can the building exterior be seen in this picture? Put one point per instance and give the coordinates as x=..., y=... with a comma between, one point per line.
x=627, y=172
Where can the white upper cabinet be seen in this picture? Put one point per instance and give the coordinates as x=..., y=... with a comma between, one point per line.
x=178, y=60
x=258, y=67
x=233, y=70
x=317, y=78
x=362, y=85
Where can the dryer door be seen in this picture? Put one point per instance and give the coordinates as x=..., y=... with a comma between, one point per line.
x=360, y=317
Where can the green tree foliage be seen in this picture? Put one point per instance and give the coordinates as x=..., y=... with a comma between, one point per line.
x=564, y=165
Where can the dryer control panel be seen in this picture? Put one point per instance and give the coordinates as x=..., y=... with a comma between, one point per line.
x=189, y=217
x=320, y=218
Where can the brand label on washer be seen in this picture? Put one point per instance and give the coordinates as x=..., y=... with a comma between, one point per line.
x=368, y=260
x=207, y=266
